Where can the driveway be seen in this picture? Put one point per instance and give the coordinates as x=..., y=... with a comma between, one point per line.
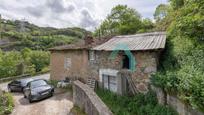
x=3, y=86
x=60, y=104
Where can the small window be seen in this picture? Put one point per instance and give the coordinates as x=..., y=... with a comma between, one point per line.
x=91, y=55
x=67, y=63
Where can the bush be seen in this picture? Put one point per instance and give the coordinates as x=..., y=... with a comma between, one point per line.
x=8, y=63
x=140, y=104
x=182, y=65
x=27, y=61
x=77, y=111
x=39, y=59
x=6, y=104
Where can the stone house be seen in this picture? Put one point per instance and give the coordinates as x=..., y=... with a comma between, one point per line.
x=121, y=64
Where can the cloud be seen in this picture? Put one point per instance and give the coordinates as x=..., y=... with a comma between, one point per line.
x=58, y=6
x=87, y=20
x=37, y=11
x=70, y=13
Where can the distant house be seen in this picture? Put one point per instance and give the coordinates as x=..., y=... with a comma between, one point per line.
x=120, y=64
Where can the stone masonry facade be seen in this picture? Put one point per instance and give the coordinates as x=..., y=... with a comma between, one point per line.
x=146, y=64
x=80, y=67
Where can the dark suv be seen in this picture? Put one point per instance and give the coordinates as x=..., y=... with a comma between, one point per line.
x=37, y=90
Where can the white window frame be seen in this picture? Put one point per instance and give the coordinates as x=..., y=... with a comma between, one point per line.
x=110, y=73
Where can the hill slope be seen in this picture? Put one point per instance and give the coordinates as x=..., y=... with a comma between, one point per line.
x=16, y=35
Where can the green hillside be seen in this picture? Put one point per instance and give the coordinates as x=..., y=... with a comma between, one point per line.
x=21, y=34
x=24, y=46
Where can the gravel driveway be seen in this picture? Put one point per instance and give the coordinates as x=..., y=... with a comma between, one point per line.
x=60, y=104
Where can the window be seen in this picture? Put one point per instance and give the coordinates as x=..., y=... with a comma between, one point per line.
x=110, y=82
x=108, y=78
x=126, y=62
x=67, y=63
x=91, y=55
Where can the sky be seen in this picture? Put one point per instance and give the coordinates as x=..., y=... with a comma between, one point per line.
x=87, y=14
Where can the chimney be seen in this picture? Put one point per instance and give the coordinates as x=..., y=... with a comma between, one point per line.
x=89, y=40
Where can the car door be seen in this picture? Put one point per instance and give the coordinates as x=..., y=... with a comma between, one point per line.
x=27, y=90
x=16, y=86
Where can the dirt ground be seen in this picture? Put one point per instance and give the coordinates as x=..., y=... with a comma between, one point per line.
x=59, y=104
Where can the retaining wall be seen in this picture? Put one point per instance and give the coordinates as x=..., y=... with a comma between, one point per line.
x=87, y=100
x=175, y=102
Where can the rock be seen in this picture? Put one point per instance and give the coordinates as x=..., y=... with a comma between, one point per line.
x=150, y=69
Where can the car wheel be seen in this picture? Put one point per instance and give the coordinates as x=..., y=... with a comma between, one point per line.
x=24, y=95
x=51, y=93
x=30, y=99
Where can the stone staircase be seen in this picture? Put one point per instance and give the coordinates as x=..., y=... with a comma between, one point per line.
x=91, y=83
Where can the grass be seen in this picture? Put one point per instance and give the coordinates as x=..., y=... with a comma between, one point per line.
x=77, y=111
x=6, y=103
x=140, y=104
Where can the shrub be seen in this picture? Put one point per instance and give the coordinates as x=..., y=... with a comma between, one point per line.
x=6, y=104
x=8, y=63
x=140, y=104
x=77, y=111
x=27, y=61
x=39, y=59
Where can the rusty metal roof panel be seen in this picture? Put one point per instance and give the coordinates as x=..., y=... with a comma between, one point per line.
x=146, y=41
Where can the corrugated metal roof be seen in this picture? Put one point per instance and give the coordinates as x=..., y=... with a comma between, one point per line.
x=146, y=41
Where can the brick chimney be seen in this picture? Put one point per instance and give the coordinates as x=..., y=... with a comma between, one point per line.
x=89, y=40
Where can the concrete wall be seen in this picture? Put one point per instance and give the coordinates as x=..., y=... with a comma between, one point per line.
x=87, y=100
x=175, y=102
x=77, y=69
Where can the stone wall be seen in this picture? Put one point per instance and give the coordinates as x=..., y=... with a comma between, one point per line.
x=81, y=67
x=175, y=102
x=146, y=64
x=87, y=100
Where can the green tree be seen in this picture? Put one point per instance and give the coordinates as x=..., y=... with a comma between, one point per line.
x=40, y=59
x=9, y=62
x=121, y=20
x=182, y=65
x=161, y=12
x=147, y=26
x=163, y=16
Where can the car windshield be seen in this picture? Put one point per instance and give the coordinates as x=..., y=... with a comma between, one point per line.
x=38, y=83
x=25, y=81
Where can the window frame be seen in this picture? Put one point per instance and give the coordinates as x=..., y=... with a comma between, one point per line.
x=67, y=62
x=91, y=55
